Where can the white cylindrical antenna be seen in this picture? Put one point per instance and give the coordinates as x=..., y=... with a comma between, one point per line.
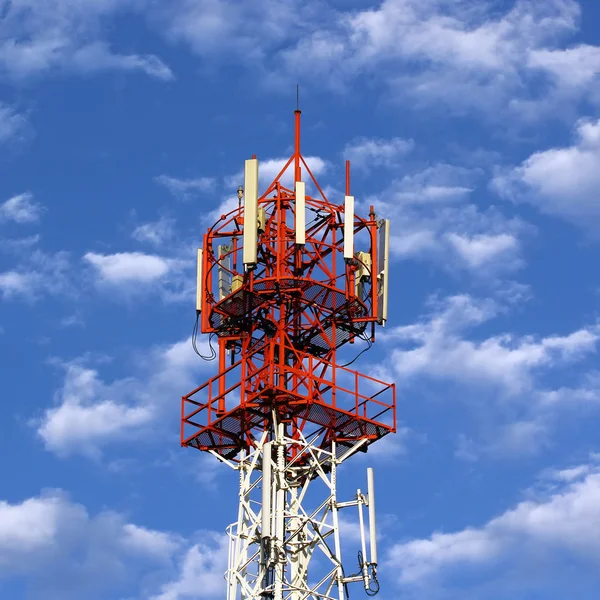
x=300, y=212
x=266, y=490
x=199, y=282
x=361, y=522
x=349, y=227
x=372, y=522
x=250, y=212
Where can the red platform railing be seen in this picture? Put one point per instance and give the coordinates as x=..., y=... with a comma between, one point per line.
x=224, y=411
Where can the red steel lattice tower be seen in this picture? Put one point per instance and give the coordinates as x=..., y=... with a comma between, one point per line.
x=284, y=281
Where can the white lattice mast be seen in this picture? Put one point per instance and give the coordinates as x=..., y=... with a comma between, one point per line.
x=288, y=518
x=284, y=281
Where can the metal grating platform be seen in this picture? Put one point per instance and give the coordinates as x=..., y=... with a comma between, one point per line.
x=341, y=411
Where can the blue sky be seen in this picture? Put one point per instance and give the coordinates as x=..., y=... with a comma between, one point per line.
x=475, y=129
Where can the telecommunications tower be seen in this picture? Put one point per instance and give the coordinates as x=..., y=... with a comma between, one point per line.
x=284, y=281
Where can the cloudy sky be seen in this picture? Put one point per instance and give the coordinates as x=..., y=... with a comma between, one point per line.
x=473, y=126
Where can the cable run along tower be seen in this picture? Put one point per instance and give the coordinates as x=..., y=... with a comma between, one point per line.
x=284, y=281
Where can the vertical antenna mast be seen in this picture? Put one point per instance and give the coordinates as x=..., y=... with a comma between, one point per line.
x=283, y=298
x=372, y=522
x=297, y=157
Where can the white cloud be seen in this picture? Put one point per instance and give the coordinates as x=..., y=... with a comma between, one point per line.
x=83, y=426
x=201, y=572
x=62, y=35
x=13, y=283
x=98, y=57
x=560, y=181
x=573, y=67
x=391, y=447
x=38, y=274
x=586, y=395
x=564, y=523
x=17, y=245
x=21, y=209
x=269, y=168
x=430, y=188
x=519, y=439
x=420, y=559
x=91, y=412
x=73, y=320
x=412, y=243
x=40, y=536
x=431, y=194
x=436, y=348
x=456, y=54
x=227, y=205
x=510, y=61
x=87, y=412
x=460, y=55
x=466, y=449
x=28, y=526
x=431, y=219
x=13, y=125
x=149, y=541
x=186, y=189
x=434, y=52
x=127, y=275
x=127, y=267
x=483, y=248
x=155, y=233
x=227, y=30
x=364, y=153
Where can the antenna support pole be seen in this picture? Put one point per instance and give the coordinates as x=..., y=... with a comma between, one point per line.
x=297, y=169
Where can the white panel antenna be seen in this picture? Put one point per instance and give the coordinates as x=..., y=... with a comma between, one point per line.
x=383, y=254
x=250, y=213
x=349, y=227
x=199, y=282
x=300, y=212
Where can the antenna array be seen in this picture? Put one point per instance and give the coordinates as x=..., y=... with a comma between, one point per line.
x=284, y=281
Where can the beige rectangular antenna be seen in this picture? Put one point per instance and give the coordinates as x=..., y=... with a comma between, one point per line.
x=236, y=283
x=224, y=270
x=199, y=282
x=261, y=221
x=349, y=227
x=250, y=213
x=362, y=273
x=383, y=254
x=300, y=212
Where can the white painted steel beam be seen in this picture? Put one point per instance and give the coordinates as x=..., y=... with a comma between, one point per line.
x=292, y=506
